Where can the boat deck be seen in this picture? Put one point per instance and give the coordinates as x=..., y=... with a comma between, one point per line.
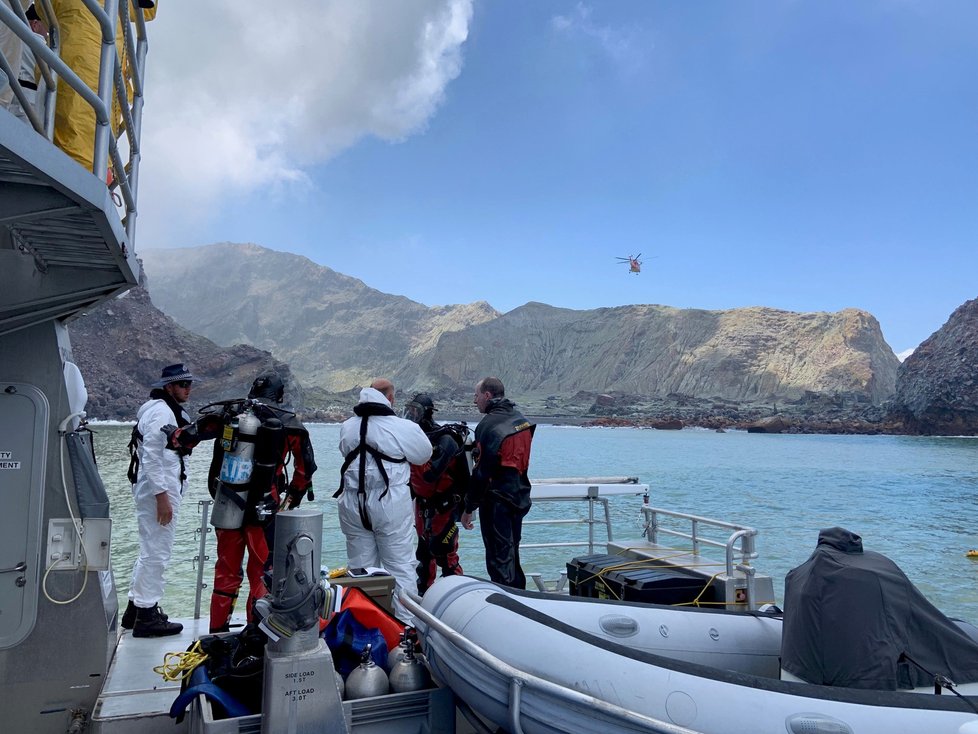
x=133, y=694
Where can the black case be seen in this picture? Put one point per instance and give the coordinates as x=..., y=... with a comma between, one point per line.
x=601, y=576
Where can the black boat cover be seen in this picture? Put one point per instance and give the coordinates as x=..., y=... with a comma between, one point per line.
x=852, y=618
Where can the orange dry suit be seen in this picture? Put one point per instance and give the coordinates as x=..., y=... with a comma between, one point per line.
x=256, y=534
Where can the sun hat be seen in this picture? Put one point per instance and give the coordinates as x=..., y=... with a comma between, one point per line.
x=173, y=373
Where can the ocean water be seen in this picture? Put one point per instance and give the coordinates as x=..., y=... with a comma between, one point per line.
x=913, y=499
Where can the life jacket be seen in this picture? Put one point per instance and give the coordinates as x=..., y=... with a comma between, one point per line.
x=497, y=470
x=501, y=422
x=361, y=451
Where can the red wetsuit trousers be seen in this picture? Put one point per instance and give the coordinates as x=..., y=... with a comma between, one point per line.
x=228, y=573
x=437, y=545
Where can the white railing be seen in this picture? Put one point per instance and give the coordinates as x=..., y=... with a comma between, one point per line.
x=740, y=542
x=575, y=490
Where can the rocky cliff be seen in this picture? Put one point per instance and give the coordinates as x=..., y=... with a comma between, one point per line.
x=334, y=331
x=122, y=345
x=337, y=333
x=937, y=385
x=743, y=355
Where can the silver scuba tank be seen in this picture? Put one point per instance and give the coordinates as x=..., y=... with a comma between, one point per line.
x=238, y=442
x=366, y=680
x=340, y=683
x=397, y=654
x=239, y=459
x=409, y=674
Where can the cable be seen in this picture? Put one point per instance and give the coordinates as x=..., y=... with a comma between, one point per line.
x=179, y=665
x=75, y=522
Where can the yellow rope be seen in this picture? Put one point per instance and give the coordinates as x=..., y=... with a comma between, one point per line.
x=179, y=665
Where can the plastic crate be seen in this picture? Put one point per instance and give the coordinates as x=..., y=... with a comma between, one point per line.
x=431, y=711
x=378, y=588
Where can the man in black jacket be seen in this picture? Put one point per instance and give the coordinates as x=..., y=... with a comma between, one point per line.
x=500, y=487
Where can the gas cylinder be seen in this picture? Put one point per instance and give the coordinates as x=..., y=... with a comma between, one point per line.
x=408, y=637
x=409, y=674
x=239, y=459
x=340, y=683
x=238, y=442
x=367, y=679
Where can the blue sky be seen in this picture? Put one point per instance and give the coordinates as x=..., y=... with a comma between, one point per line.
x=809, y=156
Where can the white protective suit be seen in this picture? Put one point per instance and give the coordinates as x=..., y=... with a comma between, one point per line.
x=391, y=543
x=159, y=471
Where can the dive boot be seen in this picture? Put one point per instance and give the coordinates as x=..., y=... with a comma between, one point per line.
x=151, y=622
x=129, y=616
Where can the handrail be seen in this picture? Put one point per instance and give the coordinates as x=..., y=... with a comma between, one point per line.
x=201, y=556
x=741, y=541
x=591, y=498
x=519, y=679
x=112, y=80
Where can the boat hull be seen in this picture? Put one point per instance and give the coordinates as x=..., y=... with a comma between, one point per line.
x=679, y=693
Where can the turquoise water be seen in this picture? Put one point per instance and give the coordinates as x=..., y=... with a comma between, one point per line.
x=912, y=499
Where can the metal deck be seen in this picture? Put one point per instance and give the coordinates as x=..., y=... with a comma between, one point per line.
x=133, y=695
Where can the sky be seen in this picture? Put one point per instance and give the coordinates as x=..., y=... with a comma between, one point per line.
x=806, y=155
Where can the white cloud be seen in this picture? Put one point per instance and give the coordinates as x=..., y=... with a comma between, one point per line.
x=902, y=356
x=243, y=94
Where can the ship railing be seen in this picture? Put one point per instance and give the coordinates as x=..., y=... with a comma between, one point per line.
x=520, y=681
x=200, y=560
x=594, y=491
x=738, y=544
x=119, y=79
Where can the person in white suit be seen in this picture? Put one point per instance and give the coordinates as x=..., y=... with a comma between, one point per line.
x=376, y=511
x=159, y=475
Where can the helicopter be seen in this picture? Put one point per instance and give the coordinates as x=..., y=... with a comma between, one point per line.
x=634, y=264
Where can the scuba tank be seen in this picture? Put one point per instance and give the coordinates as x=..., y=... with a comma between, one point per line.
x=269, y=448
x=366, y=680
x=408, y=637
x=231, y=497
x=239, y=448
x=340, y=683
x=409, y=673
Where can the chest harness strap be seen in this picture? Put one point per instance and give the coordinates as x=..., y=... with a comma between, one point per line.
x=361, y=451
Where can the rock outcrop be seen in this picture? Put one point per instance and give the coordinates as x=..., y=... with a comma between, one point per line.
x=334, y=331
x=336, y=334
x=937, y=385
x=748, y=355
x=121, y=346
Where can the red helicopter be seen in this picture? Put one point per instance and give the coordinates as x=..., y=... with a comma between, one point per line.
x=634, y=264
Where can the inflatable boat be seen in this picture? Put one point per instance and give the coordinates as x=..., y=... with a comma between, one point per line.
x=713, y=672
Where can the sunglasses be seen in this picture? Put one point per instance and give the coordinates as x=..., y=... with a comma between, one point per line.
x=184, y=383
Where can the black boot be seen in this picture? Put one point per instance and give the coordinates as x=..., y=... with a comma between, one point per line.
x=129, y=616
x=152, y=622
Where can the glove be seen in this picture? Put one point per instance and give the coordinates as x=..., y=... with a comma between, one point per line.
x=181, y=440
x=296, y=496
x=208, y=427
